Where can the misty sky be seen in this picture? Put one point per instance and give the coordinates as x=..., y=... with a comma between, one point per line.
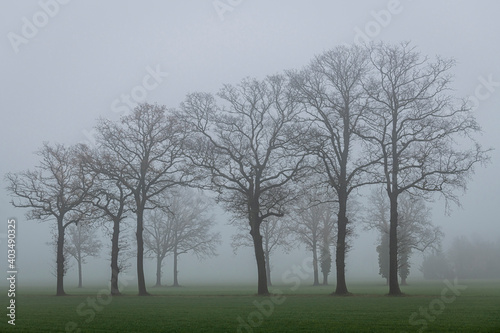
x=91, y=59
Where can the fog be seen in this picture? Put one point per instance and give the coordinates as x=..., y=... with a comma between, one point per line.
x=81, y=62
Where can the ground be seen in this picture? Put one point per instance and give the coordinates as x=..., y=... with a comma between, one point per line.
x=438, y=306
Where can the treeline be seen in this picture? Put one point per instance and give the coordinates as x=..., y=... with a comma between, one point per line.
x=467, y=258
x=379, y=115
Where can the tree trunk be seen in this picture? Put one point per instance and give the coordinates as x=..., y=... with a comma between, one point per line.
x=268, y=267
x=259, y=257
x=341, y=288
x=393, y=247
x=176, y=282
x=403, y=281
x=158, y=271
x=79, y=254
x=79, y=270
x=115, y=270
x=392, y=190
x=315, y=264
x=60, y=257
x=325, y=278
x=342, y=194
x=141, y=282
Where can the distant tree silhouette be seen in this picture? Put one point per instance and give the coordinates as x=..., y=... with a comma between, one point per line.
x=82, y=242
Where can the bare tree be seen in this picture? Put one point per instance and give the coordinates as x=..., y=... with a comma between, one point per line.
x=246, y=150
x=192, y=222
x=182, y=225
x=111, y=198
x=275, y=234
x=82, y=242
x=331, y=90
x=383, y=256
x=419, y=131
x=56, y=189
x=146, y=153
x=415, y=230
x=313, y=224
x=325, y=262
x=158, y=239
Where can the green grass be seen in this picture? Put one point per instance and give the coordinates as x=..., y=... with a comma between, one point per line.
x=217, y=309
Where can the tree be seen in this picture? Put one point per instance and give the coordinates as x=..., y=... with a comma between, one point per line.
x=82, y=243
x=56, y=189
x=189, y=213
x=158, y=239
x=146, y=151
x=383, y=255
x=325, y=260
x=415, y=230
x=111, y=198
x=314, y=224
x=420, y=132
x=331, y=91
x=275, y=234
x=183, y=224
x=246, y=148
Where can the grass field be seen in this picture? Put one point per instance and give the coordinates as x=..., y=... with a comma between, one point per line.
x=427, y=306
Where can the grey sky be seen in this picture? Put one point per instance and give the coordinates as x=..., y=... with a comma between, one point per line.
x=88, y=55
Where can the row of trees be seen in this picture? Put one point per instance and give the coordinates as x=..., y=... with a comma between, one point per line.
x=182, y=224
x=355, y=116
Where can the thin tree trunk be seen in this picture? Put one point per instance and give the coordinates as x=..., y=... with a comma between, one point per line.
x=268, y=269
x=79, y=270
x=141, y=282
x=315, y=264
x=60, y=257
x=79, y=255
x=176, y=282
x=115, y=270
